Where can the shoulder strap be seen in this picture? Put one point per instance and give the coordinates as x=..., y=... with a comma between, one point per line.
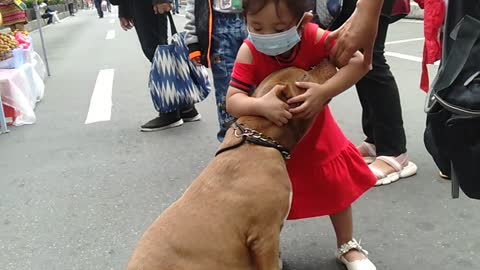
x=173, y=29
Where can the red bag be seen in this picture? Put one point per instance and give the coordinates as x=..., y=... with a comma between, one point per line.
x=401, y=8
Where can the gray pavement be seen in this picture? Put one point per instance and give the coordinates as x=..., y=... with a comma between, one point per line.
x=76, y=196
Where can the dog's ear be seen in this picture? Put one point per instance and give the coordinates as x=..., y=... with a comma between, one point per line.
x=286, y=92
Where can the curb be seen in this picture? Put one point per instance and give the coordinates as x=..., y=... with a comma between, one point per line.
x=33, y=25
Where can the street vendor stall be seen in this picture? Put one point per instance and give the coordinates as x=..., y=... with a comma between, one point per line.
x=21, y=80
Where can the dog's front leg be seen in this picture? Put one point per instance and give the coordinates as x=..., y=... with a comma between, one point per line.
x=265, y=250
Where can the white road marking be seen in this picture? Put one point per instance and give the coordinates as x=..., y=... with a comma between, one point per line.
x=112, y=21
x=110, y=34
x=407, y=57
x=411, y=21
x=101, y=102
x=404, y=56
x=404, y=41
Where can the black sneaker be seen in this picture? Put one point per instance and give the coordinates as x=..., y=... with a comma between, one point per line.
x=163, y=121
x=191, y=115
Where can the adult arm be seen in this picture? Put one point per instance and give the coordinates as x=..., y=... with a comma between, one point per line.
x=357, y=33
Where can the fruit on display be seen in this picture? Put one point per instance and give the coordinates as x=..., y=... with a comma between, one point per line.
x=7, y=44
x=18, y=31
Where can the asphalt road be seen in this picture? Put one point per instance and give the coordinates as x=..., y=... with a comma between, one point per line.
x=79, y=196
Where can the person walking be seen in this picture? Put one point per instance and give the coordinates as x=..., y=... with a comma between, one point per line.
x=215, y=30
x=385, y=145
x=98, y=6
x=71, y=7
x=150, y=21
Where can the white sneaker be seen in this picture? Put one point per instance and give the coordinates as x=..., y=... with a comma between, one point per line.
x=364, y=264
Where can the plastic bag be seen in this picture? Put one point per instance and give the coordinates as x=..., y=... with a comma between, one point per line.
x=104, y=5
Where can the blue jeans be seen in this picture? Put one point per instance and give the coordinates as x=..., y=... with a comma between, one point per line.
x=229, y=31
x=176, y=6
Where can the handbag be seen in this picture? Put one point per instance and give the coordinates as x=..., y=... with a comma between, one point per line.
x=327, y=12
x=176, y=82
x=452, y=135
x=104, y=5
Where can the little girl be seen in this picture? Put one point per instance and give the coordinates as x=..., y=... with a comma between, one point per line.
x=326, y=171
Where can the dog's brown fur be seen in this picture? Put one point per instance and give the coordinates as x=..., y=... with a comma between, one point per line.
x=231, y=215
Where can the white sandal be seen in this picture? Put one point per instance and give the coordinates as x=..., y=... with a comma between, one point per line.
x=370, y=150
x=364, y=264
x=401, y=171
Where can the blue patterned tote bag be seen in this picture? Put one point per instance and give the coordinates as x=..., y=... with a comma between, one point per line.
x=328, y=11
x=175, y=82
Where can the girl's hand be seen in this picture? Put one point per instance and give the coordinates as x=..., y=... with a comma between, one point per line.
x=273, y=108
x=313, y=100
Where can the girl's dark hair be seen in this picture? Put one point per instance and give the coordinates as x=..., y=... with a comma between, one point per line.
x=297, y=7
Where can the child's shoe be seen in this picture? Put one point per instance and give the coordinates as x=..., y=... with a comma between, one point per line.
x=364, y=264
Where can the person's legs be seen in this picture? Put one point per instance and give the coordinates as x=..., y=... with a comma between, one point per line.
x=228, y=35
x=152, y=30
x=378, y=93
x=98, y=6
x=177, y=6
x=70, y=9
x=56, y=19
x=382, y=113
x=343, y=225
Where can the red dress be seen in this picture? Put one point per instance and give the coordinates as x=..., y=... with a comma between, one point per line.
x=326, y=170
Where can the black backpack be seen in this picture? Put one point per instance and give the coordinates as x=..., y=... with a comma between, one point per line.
x=452, y=134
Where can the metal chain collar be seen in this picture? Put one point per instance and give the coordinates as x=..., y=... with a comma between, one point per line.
x=258, y=138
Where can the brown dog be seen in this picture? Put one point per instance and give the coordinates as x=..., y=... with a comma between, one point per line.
x=231, y=215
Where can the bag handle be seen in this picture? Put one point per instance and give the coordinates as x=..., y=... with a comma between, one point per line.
x=173, y=29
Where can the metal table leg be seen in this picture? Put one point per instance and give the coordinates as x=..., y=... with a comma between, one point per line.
x=3, y=123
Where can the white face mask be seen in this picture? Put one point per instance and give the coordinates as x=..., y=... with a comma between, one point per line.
x=278, y=43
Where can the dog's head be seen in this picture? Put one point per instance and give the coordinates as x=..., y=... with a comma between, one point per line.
x=296, y=127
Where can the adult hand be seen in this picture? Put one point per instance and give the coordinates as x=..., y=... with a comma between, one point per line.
x=126, y=23
x=312, y=101
x=162, y=8
x=357, y=33
x=273, y=108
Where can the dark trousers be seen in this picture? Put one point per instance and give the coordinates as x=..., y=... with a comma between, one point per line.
x=98, y=6
x=71, y=9
x=50, y=18
x=378, y=93
x=151, y=29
